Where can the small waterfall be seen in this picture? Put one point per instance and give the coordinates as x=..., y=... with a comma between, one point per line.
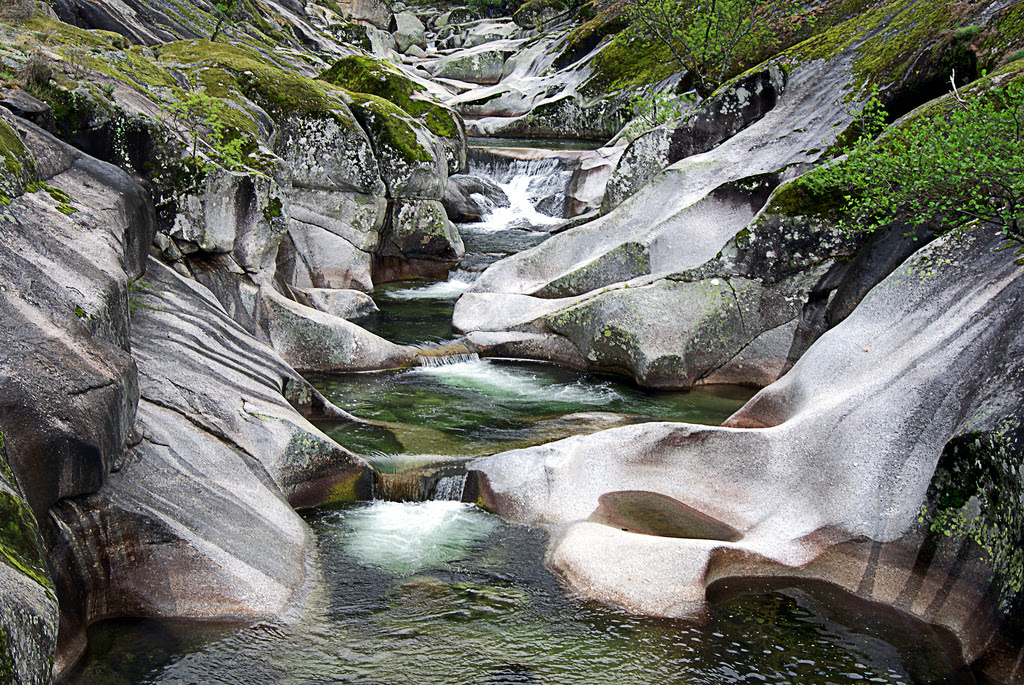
x=445, y=482
x=448, y=360
x=536, y=189
x=450, y=488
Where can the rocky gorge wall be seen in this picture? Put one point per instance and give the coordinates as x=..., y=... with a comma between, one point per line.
x=213, y=212
x=155, y=429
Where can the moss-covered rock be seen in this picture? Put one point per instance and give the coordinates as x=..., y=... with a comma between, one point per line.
x=368, y=76
x=408, y=160
x=976, y=498
x=534, y=13
x=483, y=65
x=28, y=622
x=281, y=92
x=17, y=166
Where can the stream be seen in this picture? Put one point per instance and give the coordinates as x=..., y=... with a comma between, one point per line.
x=439, y=591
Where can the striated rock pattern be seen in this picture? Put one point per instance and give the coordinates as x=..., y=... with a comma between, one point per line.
x=159, y=442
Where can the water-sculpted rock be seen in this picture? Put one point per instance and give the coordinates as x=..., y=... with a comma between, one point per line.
x=467, y=197
x=157, y=438
x=635, y=274
x=830, y=468
x=717, y=119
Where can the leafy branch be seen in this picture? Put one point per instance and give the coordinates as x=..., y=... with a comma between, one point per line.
x=942, y=168
x=708, y=38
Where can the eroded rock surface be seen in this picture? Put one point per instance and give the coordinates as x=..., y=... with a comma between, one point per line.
x=839, y=451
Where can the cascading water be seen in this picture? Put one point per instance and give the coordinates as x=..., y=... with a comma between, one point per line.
x=535, y=189
x=449, y=359
x=440, y=592
x=450, y=488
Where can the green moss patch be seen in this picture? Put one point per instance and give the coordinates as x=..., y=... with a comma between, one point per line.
x=630, y=61
x=976, y=493
x=20, y=544
x=390, y=127
x=14, y=155
x=368, y=76
x=282, y=93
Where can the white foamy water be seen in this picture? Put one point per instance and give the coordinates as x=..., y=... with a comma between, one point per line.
x=405, y=538
x=458, y=282
x=499, y=383
x=526, y=183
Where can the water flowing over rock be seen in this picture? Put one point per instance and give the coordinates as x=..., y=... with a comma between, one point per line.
x=155, y=435
x=831, y=467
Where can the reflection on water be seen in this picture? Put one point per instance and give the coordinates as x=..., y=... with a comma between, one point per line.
x=441, y=593
x=486, y=406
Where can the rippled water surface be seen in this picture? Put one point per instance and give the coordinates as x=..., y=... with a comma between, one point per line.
x=485, y=406
x=442, y=593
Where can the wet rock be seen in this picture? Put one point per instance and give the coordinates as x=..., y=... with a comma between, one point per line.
x=468, y=198
x=28, y=624
x=650, y=513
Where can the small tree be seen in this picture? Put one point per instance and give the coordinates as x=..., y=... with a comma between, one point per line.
x=226, y=10
x=709, y=37
x=944, y=168
x=200, y=119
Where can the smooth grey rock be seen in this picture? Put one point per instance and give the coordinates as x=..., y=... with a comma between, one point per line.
x=489, y=31
x=720, y=117
x=323, y=259
x=65, y=266
x=408, y=31
x=666, y=334
x=467, y=198
x=186, y=516
x=482, y=65
x=840, y=449
x=315, y=341
x=23, y=105
x=347, y=304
